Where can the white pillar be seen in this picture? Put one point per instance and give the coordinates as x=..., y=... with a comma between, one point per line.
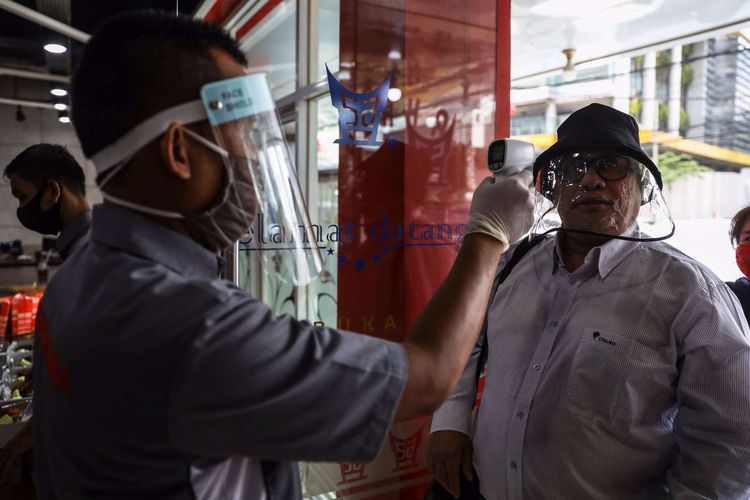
x=650, y=113
x=550, y=118
x=621, y=101
x=675, y=87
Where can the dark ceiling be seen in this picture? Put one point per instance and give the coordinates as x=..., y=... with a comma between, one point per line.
x=21, y=41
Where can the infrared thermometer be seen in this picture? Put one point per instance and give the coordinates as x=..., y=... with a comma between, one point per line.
x=509, y=156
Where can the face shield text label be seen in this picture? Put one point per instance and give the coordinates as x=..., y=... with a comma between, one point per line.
x=236, y=98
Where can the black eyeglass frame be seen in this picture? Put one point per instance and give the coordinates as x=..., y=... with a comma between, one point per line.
x=582, y=165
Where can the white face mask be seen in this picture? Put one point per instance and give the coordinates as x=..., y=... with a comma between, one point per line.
x=221, y=225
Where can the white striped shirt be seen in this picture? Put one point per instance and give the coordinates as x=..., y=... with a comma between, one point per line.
x=627, y=379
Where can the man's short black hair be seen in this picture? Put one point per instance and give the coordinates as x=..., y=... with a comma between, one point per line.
x=137, y=64
x=41, y=162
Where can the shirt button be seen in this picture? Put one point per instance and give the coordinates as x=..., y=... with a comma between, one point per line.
x=571, y=281
x=536, y=366
x=513, y=465
x=555, y=323
x=520, y=414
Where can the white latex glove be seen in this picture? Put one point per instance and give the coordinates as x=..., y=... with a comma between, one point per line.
x=502, y=207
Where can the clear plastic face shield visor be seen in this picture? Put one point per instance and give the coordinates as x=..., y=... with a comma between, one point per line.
x=600, y=194
x=262, y=203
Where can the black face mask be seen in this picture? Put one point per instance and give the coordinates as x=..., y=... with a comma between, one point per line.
x=34, y=218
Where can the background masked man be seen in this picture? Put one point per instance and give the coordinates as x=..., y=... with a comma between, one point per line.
x=167, y=382
x=51, y=191
x=618, y=367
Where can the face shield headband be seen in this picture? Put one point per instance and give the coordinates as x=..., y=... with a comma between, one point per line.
x=261, y=178
x=618, y=207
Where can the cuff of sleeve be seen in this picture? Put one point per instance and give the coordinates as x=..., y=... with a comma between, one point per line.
x=452, y=416
x=385, y=409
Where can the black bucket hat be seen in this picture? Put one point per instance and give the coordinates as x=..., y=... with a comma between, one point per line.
x=598, y=126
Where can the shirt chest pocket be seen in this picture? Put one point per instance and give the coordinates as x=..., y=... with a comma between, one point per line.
x=621, y=377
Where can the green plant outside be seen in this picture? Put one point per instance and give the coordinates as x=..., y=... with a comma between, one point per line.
x=635, y=107
x=675, y=166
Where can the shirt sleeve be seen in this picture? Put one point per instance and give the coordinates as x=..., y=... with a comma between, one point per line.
x=275, y=388
x=455, y=413
x=712, y=428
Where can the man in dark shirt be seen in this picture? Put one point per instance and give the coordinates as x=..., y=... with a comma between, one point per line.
x=50, y=187
x=51, y=191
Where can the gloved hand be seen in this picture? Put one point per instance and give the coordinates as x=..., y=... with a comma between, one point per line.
x=502, y=207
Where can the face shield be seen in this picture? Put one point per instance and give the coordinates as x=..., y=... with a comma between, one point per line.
x=246, y=124
x=261, y=203
x=601, y=194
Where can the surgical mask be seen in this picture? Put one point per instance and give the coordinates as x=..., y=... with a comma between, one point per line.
x=41, y=221
x=221, y=225
x=742, y=256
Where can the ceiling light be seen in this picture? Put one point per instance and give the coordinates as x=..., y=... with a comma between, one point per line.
x=394, y=94
x=394, y=55
x=58, y=92
x=63, y=119
x=55, y=48
x=61, y=106
x=569, y=71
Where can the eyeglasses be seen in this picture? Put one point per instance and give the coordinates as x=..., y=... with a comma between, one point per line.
x=572, y=168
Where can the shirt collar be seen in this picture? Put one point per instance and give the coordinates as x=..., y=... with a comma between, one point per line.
x=604, y=257
x=132, y=233
x=77, y=229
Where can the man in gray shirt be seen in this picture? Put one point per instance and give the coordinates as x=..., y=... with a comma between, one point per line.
x=617, y=367
x=50, y=187
x=167, y=382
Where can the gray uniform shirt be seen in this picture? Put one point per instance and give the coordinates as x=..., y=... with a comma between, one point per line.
x=155, y=379
x=75, y=235
x=627, y=379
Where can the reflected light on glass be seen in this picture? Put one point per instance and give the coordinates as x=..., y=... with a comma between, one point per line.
x=345, y=74
x=58, y=92
x=63, y=119
x=61, y=106
x=569, y=74
x=394, y=94
x=55, y=48
x=566, y=8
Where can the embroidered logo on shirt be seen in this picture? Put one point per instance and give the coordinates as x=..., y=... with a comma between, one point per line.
x=599, y=338
x=58, y=372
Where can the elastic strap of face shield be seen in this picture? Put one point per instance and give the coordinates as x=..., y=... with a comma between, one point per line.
x=112, y=158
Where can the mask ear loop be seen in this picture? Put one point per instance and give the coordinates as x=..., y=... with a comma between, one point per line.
x=112, y=172
x=209, y=144
x=150, y=210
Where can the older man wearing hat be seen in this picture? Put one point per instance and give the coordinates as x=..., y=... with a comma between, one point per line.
x=617, y=367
